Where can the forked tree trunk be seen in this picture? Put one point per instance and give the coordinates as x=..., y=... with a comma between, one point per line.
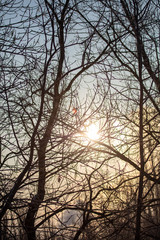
x=38, y=198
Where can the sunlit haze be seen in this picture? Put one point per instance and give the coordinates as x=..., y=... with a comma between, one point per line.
x=92, y=132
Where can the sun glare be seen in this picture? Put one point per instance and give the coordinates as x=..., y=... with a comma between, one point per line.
x=92, y=132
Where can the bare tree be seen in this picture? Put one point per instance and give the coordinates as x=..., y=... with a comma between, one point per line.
x=45, y=55
x=65, y=67
x=135, y=62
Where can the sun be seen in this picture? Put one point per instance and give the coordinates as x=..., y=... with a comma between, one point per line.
x=92, y=132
